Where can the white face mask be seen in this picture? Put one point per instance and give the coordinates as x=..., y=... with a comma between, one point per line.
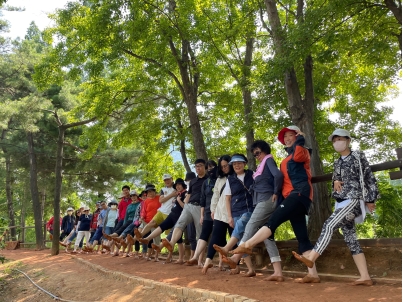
x=114, y=206
x=340, y=146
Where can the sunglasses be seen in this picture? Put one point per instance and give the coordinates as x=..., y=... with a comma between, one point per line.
x=256, y=154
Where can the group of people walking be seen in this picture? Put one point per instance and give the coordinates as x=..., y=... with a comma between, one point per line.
x=227, y=198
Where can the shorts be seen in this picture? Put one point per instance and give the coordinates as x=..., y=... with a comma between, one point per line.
x=159, y=217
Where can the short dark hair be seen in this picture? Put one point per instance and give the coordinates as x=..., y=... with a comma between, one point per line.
x=200, y=160
x=220, y=172
x=211, y=163
x=126, y=187
x=262, y=145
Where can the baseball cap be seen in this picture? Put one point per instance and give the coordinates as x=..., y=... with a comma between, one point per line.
x=280, y=135
x=133, y=192
x=339, y=132
x=69, y=209
x=166, y=176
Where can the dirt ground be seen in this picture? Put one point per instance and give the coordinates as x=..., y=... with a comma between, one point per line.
x=67, y=278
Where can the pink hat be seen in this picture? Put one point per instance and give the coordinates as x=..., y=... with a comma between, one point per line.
x=280, y=135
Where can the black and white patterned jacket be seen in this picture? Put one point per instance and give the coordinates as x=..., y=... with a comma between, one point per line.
x=347, y=170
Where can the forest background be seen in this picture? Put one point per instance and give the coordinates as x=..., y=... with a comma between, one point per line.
x=107, y=94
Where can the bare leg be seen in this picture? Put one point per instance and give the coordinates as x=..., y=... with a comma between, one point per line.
x=230, y=244
x=361, y=264
x=201, y=246
x=207, y=264
x=263, y=233
x=181, y=250
x=201, y=258
x=251, y=271
x=148, y=227
x=176, y=234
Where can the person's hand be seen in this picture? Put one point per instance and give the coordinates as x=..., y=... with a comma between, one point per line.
x=371, y=207
x=337, y=186
x=178, y=198
x=201, y=220
x=231, y=222
x=212, y=215
x=300, y=133
x=274, y=198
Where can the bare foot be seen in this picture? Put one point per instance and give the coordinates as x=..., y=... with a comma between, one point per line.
x=138, y=234
x=308, y=279
x=191, y=262
x=156, y=247
x=167, y=245
x=179, y=261
x=235, y=271
x=229, y=261
x=274, y=278
x=220, y=249
x=304, y=260
x=205, y=268
x=242, y=250
x=144, y=241
x=249, y=274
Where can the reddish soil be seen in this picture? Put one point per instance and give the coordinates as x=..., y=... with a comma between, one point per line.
x=65, y=277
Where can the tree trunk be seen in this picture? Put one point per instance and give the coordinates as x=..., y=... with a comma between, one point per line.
x=187, y=65
x=9, y=195
x=183, y=148
x=36, y=203
x=302, y=115
x=247, y=103
x=58, y=190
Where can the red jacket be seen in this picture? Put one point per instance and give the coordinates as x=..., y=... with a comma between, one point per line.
x=49, y=224
x=150, y=208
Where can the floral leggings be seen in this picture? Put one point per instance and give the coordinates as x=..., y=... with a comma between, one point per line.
x=341, y=218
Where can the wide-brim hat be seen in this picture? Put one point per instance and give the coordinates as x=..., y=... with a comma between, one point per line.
x=180, y=181
x=280, y=135
x=339, y=132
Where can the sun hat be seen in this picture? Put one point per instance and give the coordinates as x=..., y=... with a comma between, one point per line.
x=180, y=181
x=237, y=158
x=86, y=208
x=166, y=176
x=280, y=135
x=339, y=132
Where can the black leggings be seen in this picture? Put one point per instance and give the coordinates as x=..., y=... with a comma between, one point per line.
x=207, y=229
x=294, y=210
x=218, y=236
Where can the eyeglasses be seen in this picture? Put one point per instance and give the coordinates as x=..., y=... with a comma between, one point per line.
x=224, y=166
x=257, y=153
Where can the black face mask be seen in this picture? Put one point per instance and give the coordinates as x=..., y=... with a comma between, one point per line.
x=213, y=173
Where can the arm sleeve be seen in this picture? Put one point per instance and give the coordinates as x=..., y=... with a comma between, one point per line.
x=277, y=175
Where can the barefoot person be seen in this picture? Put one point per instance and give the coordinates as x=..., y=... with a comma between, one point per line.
x=205, y=219
x=298, y=193
x=238, y=198
x=167, y=199
x=170, y=221
x=219, y=212
x=355, y=189
x=191, y=209
x=268, y=181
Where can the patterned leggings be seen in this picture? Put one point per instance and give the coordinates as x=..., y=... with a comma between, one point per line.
x=341, y=218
